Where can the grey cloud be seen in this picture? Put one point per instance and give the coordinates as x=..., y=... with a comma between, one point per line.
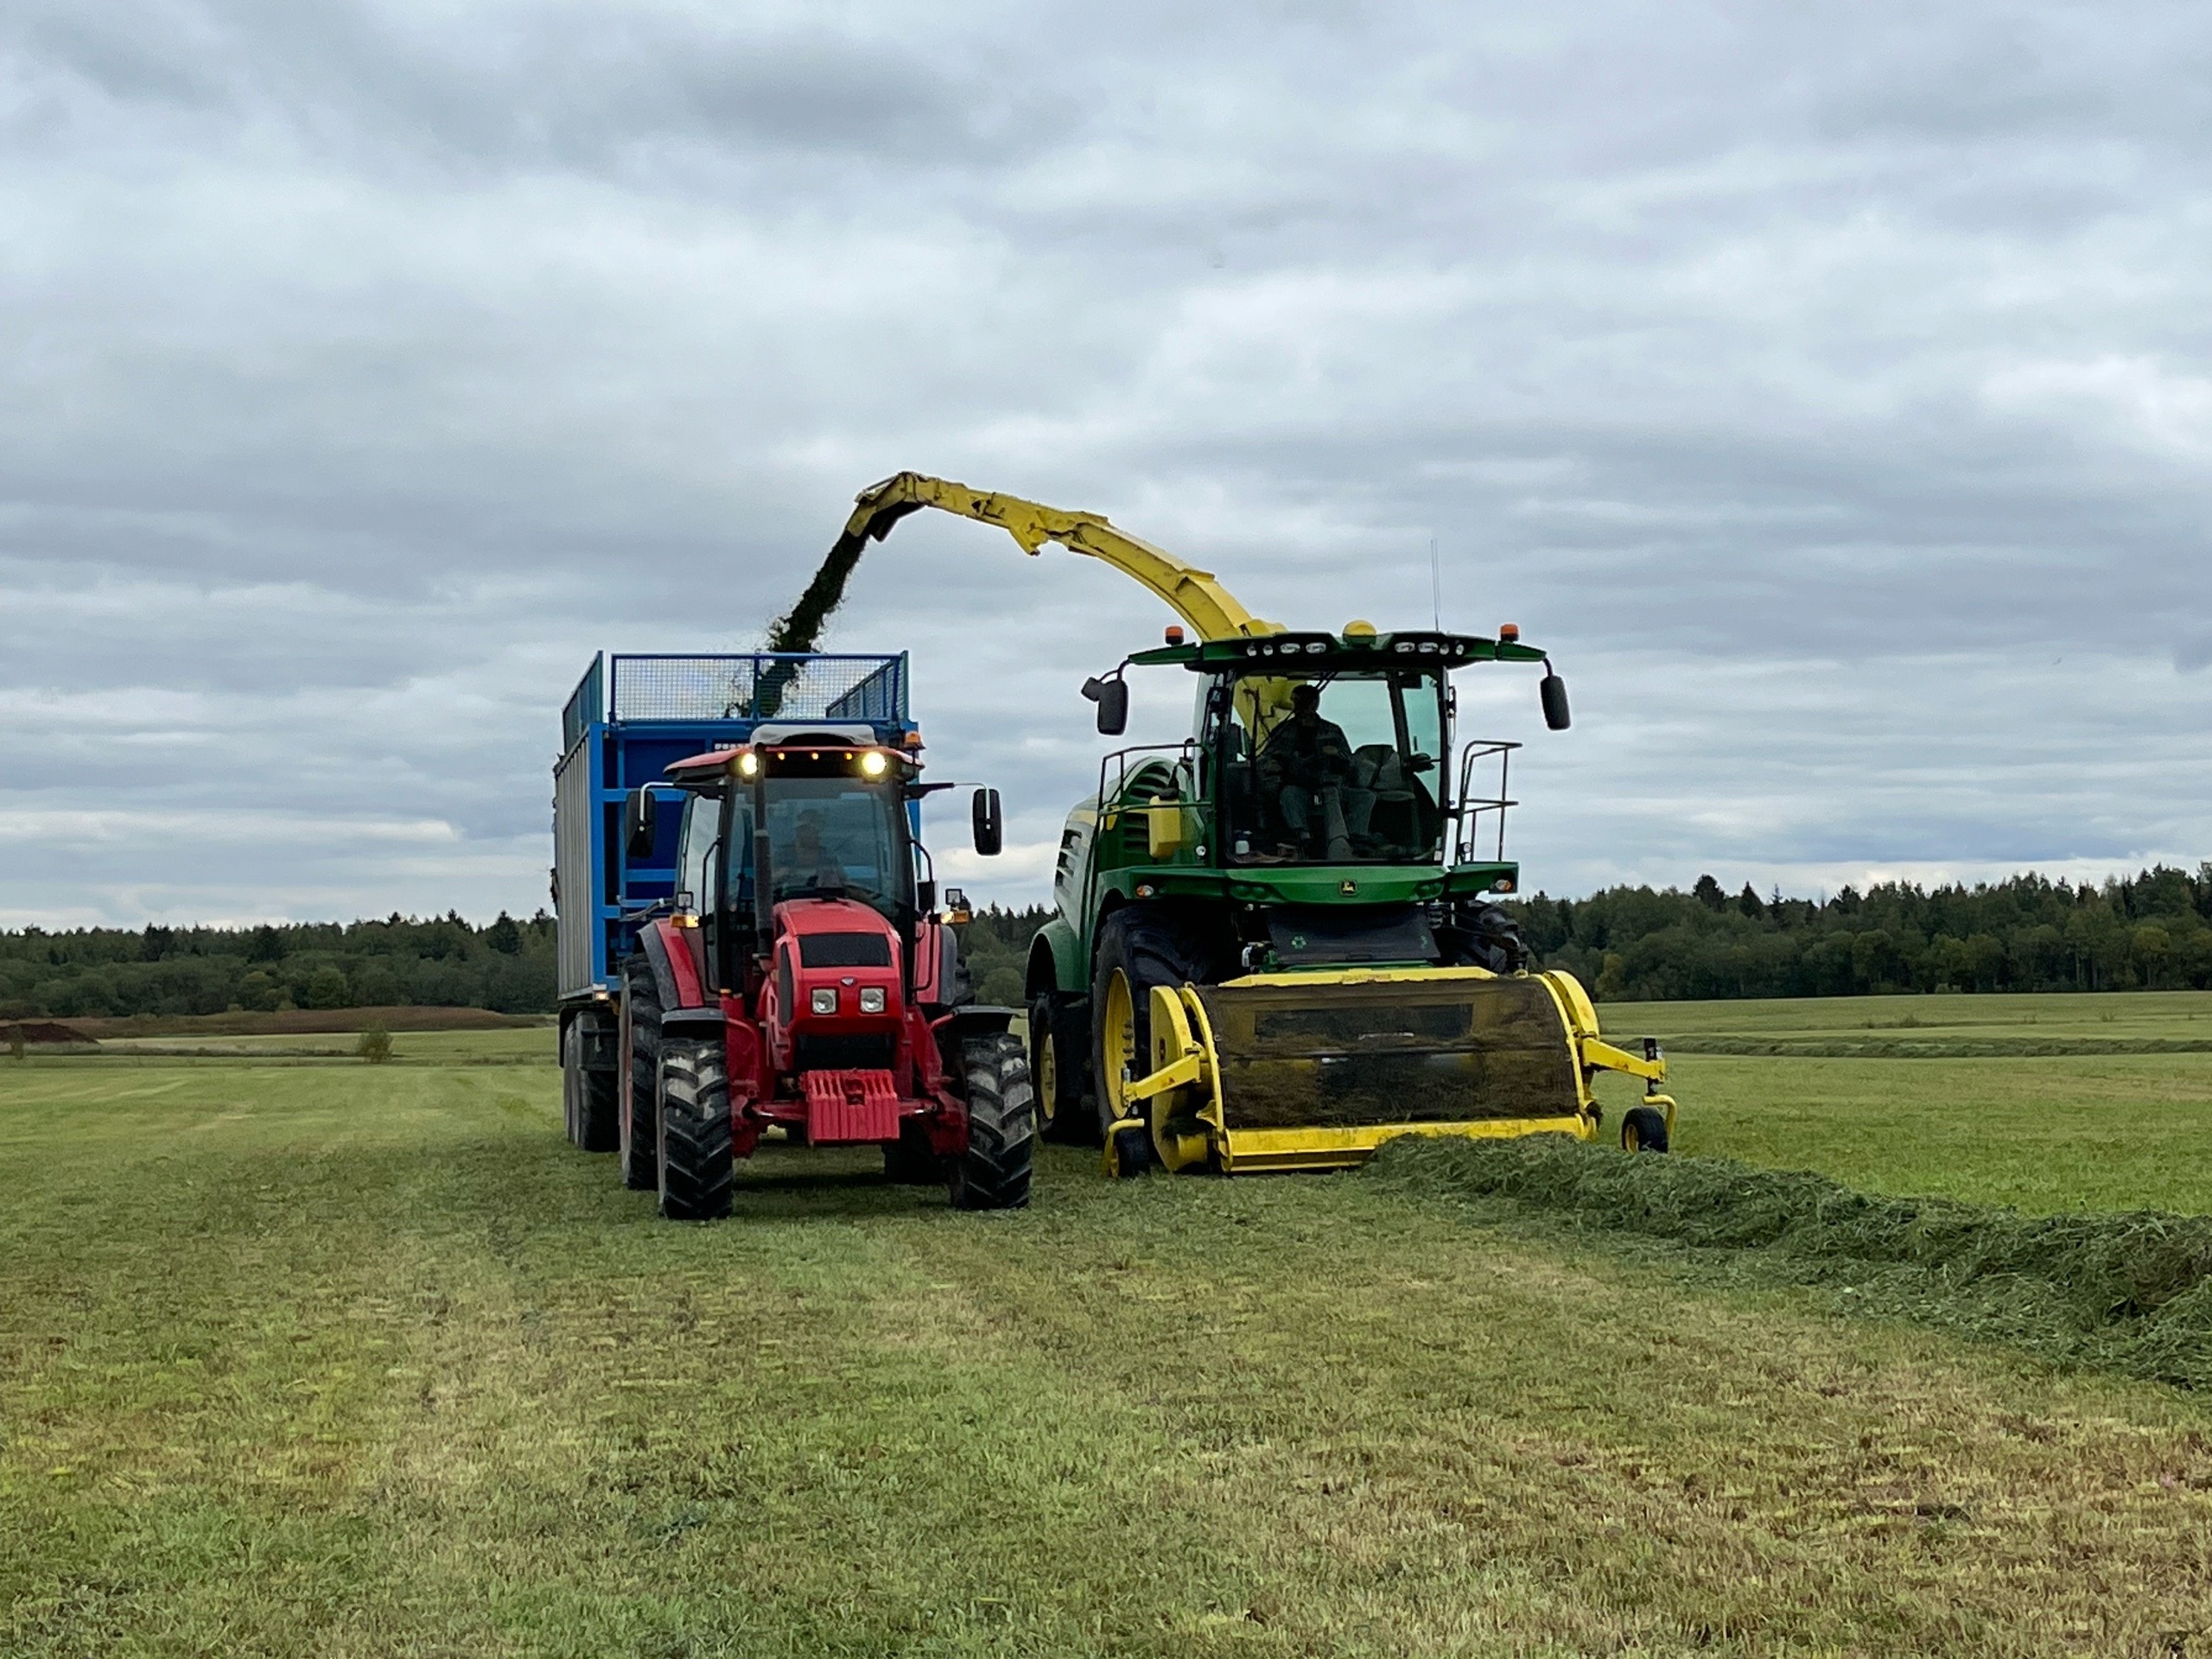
x=1823, y=384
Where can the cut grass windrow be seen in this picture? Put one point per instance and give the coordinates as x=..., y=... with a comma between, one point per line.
x=2129, y=1294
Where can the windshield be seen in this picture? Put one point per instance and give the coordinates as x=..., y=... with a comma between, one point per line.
x=824, y=833
x=1336, y=769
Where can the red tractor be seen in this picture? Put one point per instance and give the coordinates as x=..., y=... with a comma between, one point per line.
x=803, y=989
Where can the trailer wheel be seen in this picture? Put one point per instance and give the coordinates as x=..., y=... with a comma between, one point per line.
x=1058, y=1055
x=1137, y=950
x=590, y=1100
x=696, y=1170
x=639, y=1076
x=1644, y=1128
x=572, y=1085
x=994, y=1173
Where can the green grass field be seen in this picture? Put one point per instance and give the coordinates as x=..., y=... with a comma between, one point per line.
x=301, y=1355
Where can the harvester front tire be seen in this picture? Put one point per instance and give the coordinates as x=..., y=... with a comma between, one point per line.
x=1644, y=1128
x=995, y=1172
x=1058, y=1045
x=697, y=1170
x=638, y=1138
x=1145, y=949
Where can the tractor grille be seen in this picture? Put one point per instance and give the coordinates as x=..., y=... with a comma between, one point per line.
x=845, y=1051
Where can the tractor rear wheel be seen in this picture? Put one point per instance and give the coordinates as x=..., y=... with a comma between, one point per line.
x=639, y=1078
x=1058, y=1050
x=1643, y=1129
x=1138, y=949
x=994, y=1173
x=695, y=1169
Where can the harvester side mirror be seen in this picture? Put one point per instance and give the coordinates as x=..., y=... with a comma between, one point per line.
x=1112, y=697
x=990, y=830
x=1552, y=690
x=641, y=821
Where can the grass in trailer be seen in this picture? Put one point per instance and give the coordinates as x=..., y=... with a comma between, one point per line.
x=365, y=1359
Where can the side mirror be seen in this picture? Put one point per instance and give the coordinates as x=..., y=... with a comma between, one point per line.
x=1112, y=697
x=925, y=895
x=990, y=831
x=1552, y=690
x=641, y=821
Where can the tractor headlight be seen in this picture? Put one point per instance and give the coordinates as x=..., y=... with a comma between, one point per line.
x=871, y=999
x=748, y=764
x=823, y=1000
x=872, y=763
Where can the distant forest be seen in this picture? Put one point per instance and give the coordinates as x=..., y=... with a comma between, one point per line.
x=2153, y=932
x=440, y=962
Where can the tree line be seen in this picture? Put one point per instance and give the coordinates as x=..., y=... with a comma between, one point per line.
x=444, y=961
x=2152, y=930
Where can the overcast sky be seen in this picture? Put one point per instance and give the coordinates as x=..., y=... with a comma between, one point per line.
x=1825, y=385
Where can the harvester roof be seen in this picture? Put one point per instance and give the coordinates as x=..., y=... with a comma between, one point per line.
x=1335, y=653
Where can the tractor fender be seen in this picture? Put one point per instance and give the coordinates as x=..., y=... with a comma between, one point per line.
x=1056, y=961
x=686, y=1009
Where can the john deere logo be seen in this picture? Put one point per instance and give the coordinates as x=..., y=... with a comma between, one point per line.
x=1348, y=888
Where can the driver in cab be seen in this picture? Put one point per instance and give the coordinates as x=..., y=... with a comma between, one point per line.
x=1305, y=763
x=811, y=863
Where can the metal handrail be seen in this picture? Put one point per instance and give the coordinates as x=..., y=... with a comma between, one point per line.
x=1468, y=808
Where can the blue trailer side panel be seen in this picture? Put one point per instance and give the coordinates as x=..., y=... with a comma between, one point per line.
x=628, y=720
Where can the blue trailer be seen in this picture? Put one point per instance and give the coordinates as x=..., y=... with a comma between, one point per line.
x=629, y=718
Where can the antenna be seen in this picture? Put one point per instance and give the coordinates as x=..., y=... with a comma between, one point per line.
x=1435, y=587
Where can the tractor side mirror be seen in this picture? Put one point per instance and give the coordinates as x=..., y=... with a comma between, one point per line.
x=1112, y=697
x=1552, y=690
x=641, y=821
x=925, y=894
x=990, y=830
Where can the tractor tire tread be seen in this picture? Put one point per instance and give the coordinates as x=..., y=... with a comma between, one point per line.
x=697, y=1171
x=637, y=1138
x=994, y=1172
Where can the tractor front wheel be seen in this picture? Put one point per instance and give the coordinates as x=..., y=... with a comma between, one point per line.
x=994, y=1173
x=639, y=1076
x=696, y=1167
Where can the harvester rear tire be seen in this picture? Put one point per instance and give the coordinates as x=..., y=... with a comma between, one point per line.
x=696, y=1168
x=637, y=1137
x=994, y=1173
x=1059, y=1049
x=1644, y=1128
x=1147, y=949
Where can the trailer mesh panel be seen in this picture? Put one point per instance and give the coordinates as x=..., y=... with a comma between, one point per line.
x=762, y=687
